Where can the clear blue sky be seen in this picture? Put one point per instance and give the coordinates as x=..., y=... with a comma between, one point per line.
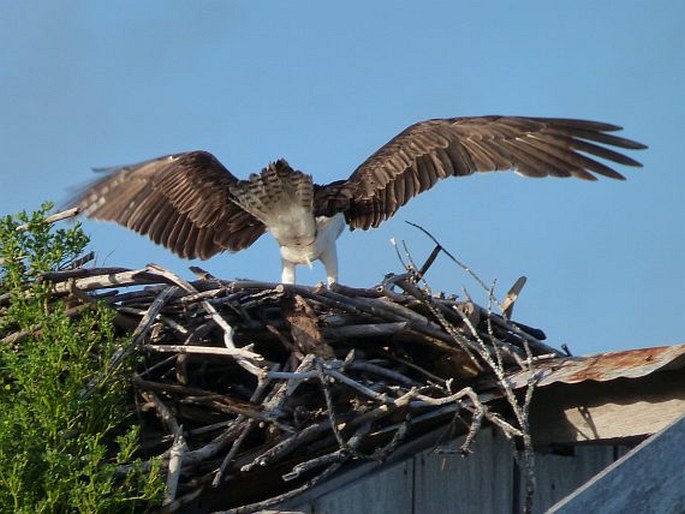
x=322, y=84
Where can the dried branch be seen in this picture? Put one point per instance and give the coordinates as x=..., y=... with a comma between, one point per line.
x=491, y=354
x=178, y=449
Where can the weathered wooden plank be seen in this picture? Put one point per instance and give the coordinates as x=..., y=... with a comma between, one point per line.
x=607, y=411
x=481, y=482
x=558, y=475
x=387, y=492
x=621, y=450
x=404, y=452
x=649, y=479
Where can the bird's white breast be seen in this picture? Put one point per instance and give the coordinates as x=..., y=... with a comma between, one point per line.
x=327, y=231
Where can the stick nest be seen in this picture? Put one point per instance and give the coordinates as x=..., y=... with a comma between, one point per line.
x=251, y=393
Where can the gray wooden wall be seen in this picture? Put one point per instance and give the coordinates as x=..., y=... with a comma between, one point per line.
x=484, y=482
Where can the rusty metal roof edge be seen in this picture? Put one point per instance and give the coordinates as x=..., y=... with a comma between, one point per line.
x=603, y=367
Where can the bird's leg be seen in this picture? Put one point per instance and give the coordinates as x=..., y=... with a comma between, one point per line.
x=329, y=258
x=288, y=273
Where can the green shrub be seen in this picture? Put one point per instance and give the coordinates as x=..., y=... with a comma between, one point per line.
x=66, y=424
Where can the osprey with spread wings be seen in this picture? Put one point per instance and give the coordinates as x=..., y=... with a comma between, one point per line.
x=190, y=203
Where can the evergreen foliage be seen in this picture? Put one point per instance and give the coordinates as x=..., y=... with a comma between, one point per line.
x=66, y=424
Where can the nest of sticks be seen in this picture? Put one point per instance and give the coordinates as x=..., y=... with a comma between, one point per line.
x=252, y=393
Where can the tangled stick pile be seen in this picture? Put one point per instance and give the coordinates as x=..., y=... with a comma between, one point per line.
x=261, y=391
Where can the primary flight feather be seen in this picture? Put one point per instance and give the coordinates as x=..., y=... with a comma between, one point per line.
x=190, y=203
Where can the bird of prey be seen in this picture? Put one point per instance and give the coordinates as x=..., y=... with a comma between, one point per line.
x=190, y=203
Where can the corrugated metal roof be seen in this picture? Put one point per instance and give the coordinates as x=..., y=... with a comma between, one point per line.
x=605, y=366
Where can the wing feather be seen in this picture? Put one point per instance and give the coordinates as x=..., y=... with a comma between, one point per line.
x=445, y=166
x=419, y=156
x=182, y=201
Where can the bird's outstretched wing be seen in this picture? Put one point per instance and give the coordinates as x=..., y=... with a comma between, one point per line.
x=414, y=160
x=182, y=201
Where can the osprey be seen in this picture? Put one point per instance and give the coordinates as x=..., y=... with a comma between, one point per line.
x=190, y=203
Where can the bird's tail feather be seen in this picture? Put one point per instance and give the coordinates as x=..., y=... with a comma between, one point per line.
x=275, y=189
x=282, y=198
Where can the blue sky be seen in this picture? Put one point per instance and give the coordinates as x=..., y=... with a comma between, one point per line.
x=95, y=83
